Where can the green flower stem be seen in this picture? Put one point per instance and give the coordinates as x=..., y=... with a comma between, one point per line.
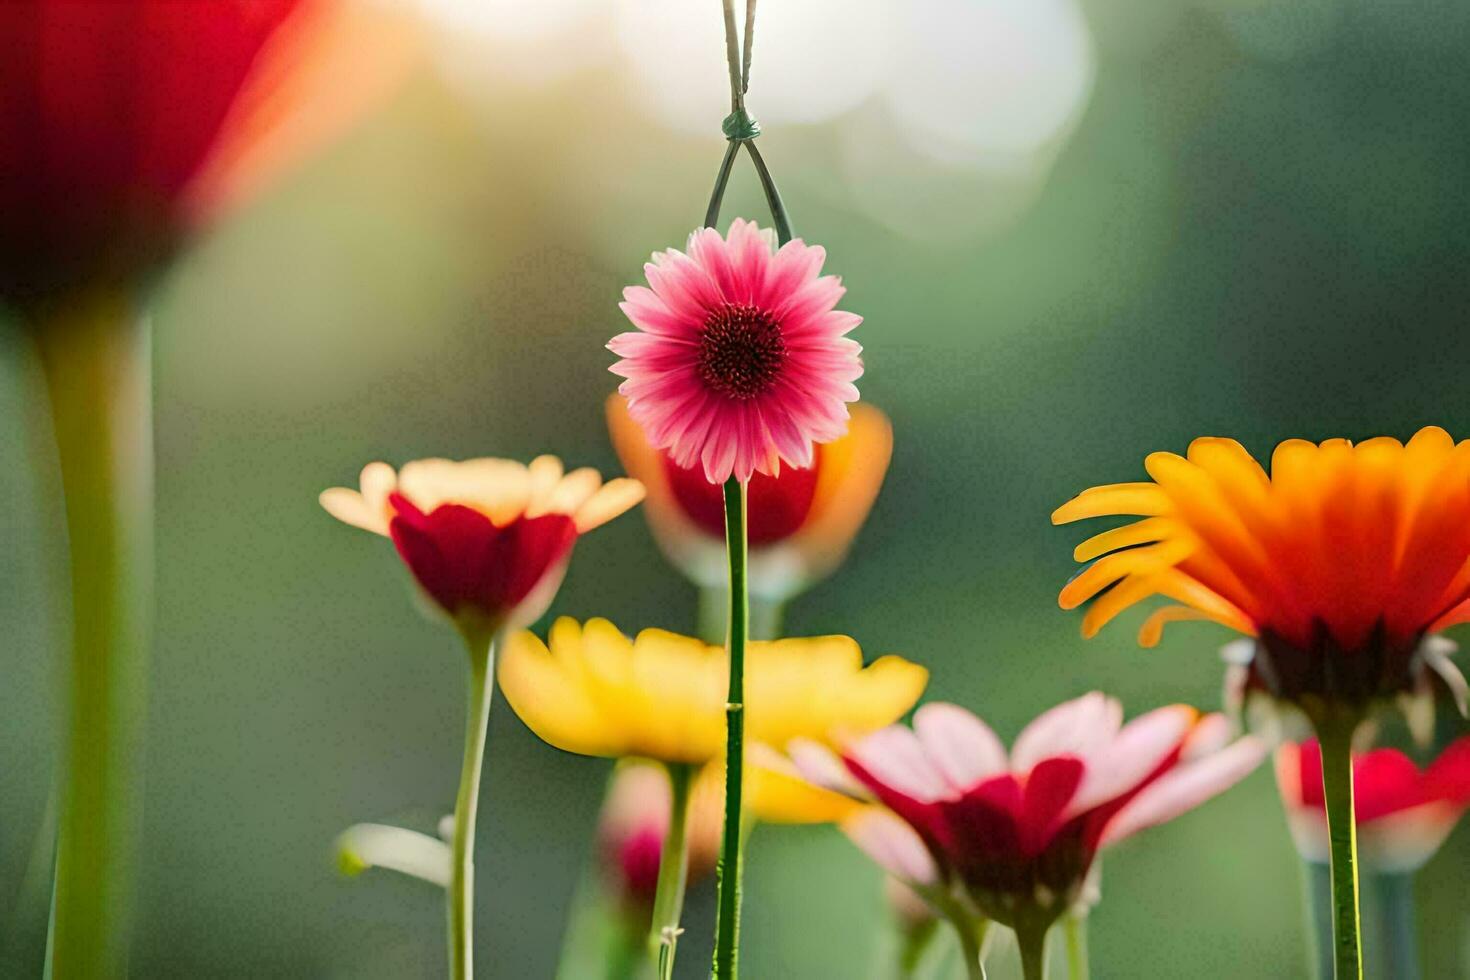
x=727, y=929
x=481, y=647
x=673, y=872
x=1335, y=734
x=1076, y=930
x=722, y=180
x=96, y=358
x=972, y=936
x=913, y=942
x=1319, y=914
x=1031, y=938
x=773, y=196
x=766, y=616
x=1396, y=919
x=968, y=928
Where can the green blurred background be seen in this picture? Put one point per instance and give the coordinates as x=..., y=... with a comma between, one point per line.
x=1257, y=228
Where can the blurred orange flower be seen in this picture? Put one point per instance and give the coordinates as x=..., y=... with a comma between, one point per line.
x=1339, y=561
x=801, y=522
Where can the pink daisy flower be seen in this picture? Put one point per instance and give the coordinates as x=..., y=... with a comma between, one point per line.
x=1013, y=835
x=741, y=360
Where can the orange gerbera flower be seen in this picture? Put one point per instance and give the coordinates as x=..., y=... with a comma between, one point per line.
x=1338, y=562
x=801, y=521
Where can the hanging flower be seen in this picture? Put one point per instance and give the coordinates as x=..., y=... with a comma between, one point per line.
x=124, y=125
x=487, y=540
x=593, y=691
x=801, y=522
x=1404, y=813
x=741, y=361
x=1013, y=836
x=1338, y=563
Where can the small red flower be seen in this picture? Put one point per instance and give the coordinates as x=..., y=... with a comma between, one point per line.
x=1404, y=813
x=1015, y=835
x=801, y=521
x=487, y=540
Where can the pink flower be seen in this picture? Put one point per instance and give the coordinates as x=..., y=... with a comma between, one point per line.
x=1014, y=836
x=741, y=360
x=1404, y=813
x=635, y=821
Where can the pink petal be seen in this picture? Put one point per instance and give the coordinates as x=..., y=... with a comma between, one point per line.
x=822, y=767
x=1185, y=788
x=961, y=746
x=1077, y=727
x=893, y=844
x=794, y=265
x=1143, y=745
x=895, y=757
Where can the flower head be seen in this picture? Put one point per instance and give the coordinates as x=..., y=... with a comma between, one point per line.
x=1015, y=834
x=1338, y=562
x=740, y=361
x=122, y=123
x=487, y=540
x=593, y=691
x=801, y=521
x=1404, y=813
x=635, y=821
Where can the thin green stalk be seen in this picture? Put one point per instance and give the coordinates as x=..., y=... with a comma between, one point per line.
x=972, y=936
x=773, y=196
x=1319, y=914
x=727, y=929
x=673, y=872
x=722, y=180
x=481, y=648
x=914, y=941
x=1031, y=938
x=766, y=616
x=1396, y=923
x=1076, y=929
x=1335, y=734
x=96, y=358
x=970, y=930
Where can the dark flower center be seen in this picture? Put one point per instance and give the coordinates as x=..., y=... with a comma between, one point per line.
x=740, y=351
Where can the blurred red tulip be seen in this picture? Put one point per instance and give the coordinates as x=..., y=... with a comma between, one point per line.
x=122, y=124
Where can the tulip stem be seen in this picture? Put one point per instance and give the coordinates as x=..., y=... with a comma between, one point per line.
x=1400, y=944
x=96, y=358
x=727, y=929
x=673, y=871
x=1335, y=734
x=481, y=647
x=1076, y=930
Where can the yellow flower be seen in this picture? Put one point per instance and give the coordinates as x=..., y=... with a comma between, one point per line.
x=487, y=540
x=593, y=691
